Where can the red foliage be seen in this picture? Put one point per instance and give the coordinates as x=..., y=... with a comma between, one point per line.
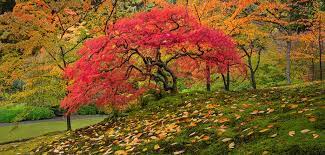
x=152, y=46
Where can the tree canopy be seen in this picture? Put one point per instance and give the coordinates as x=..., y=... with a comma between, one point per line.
x=143, y=48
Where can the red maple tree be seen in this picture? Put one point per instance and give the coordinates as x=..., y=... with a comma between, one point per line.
x=141, y=51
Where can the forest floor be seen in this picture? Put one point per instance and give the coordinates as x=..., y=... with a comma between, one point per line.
x=284, y=120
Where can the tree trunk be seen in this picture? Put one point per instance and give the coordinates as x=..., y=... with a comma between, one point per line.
x=174, y=87
x=252, y=73
x=313, y=69
x=68, y=115
x=68, y=122
x=224, y=81
x=288, y=61
x=228, y=78
x=208, y=77
x=253, y=81
x=174, y=79
x=320, y=42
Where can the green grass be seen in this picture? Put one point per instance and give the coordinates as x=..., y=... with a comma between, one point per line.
x=23, y=131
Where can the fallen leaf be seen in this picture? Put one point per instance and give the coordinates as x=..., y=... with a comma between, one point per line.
x=270, y=126
x=231, y=145
x=226, y=139
x=250, y=133
x=237, y=116
x=70, y=12
x=220, y=131
x=305, y=131
x=128, y=147
x=192, y=124
x=153, y=137
x=179, y=152
x=162, y=135
x=109, y=151
x=174, y=144
x=116, y=142
x=192, y=134
x=291, y=133
x=211, y=106
x=145, y=149
x=315, y=135
x=274, y=135
x=205, y=138
x=223, y=120
x=293, y=106
x=264, y=130
x=246, y=105
x=156, y=147
x=110, y=131
x=254, y=112
x=120, y=152
x=223, y=127
x=312, y=119
x=270, y=110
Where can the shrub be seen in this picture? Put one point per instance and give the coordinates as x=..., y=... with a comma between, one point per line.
x=8, y=114
x=17, y=85
x=57, y=110
x=22, y=112
x=37, y=113
x=270, y=75
x=88, y=110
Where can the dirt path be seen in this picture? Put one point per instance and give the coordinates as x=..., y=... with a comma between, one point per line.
x=74, y=117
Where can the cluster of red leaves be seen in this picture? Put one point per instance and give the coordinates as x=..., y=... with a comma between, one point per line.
x=111, y=66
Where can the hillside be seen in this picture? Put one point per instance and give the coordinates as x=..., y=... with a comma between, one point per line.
x=286, y=120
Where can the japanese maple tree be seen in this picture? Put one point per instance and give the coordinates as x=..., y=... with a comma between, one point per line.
x=143, y=51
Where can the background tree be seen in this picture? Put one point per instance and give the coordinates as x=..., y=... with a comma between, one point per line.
x=252, y=44
x=293, y=16
x=317, y=29
x=56, y=28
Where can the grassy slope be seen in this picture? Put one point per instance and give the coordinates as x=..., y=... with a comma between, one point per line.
x=23, y=131
x=214, y=123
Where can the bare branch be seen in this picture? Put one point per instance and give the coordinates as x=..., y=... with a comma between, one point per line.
x=258, y=59
x=110, y=16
